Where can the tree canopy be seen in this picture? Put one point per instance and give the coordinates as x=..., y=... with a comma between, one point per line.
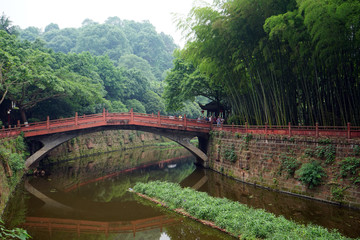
x=62, y=71
x=278, y=61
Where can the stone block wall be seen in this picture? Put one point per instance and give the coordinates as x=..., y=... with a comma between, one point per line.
x=101, y=142
x=259, y=159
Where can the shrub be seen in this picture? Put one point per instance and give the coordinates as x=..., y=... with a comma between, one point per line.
x=289, y=164
x=326, y=152
x=230, y=154
x=350, y=166
x=247, y=138
x=337, y=193
x=16, y=233
x=356, y=150
x=309, y=152
x=311, y=173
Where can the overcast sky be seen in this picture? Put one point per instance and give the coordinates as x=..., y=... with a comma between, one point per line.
x=71, y=13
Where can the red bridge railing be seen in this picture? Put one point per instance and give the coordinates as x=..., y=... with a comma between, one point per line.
x=105, y=119
x=97, y=227
x=171, y=122
x=348, y=131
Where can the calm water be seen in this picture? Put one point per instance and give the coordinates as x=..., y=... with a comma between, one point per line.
x=87, y=198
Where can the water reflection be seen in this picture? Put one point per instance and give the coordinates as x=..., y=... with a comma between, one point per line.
x=87, y=198
x=301, y=210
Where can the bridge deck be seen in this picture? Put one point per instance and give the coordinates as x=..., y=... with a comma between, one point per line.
x=107, y=119
x=170, y=122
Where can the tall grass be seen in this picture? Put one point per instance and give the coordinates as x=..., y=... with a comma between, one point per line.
x=237, y=219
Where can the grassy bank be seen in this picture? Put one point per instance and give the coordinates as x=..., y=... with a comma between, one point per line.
x=235, y=218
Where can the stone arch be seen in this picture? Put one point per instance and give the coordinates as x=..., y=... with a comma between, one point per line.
x=51, y=141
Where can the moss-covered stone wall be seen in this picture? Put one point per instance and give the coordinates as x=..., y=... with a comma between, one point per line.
x=105, y=141
x=286, y=164
x=13, y=153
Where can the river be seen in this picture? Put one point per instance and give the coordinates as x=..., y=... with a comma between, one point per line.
x=87, y=198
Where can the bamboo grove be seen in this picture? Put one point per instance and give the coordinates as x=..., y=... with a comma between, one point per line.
x=278, y=61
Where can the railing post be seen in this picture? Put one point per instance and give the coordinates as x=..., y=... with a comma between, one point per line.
x=18, y=123
x=104, y=115
x=232, y=127
x=348, y=131
x=317, y=130
x=159, y=119
x=246, y=127
x=47, y=122
x=185, y=122
x=76, y=118
x=131, y=115
x=289, y=129
x=266, y=127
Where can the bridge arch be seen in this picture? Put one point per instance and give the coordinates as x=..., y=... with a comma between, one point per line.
x=51, y=141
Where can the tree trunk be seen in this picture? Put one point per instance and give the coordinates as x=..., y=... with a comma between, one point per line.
x=23, y=115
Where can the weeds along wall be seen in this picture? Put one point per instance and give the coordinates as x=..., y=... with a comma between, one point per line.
x=326, y=169
x=13, y=152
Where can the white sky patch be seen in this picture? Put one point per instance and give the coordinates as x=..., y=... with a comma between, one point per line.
x=71, y=13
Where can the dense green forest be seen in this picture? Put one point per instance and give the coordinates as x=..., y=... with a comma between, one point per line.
x=267, y=61
x=117, y=65
x=272, y=61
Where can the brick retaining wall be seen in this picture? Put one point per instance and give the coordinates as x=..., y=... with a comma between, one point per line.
x=256, y=159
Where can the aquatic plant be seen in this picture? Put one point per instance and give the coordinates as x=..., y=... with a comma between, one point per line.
x=237, y=219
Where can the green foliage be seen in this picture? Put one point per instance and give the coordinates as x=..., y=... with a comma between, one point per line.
x=230, y=154
x=14, y=153
x=221, y=134
x=309, y=152
x=184, y=82
x=278, y=61
x=326, y=152
x=338, y=193
x=311, y=174
x=356, y=150
x=136, y=105
x=131, y=136
x=235, y=218
x=324, y=141
x=350, y=167
x=288, y=164
x=235, y=119
x=92, y=67
x=16, y=233
x=247, y=138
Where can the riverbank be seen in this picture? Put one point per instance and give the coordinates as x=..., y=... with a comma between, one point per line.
x=232, y=217
x=325, y=169
x=13, y=153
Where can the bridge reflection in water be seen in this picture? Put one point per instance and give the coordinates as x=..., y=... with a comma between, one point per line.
x=64, y=223
x=96, y=227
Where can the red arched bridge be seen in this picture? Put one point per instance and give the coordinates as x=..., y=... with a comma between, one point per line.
x=52, y=133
